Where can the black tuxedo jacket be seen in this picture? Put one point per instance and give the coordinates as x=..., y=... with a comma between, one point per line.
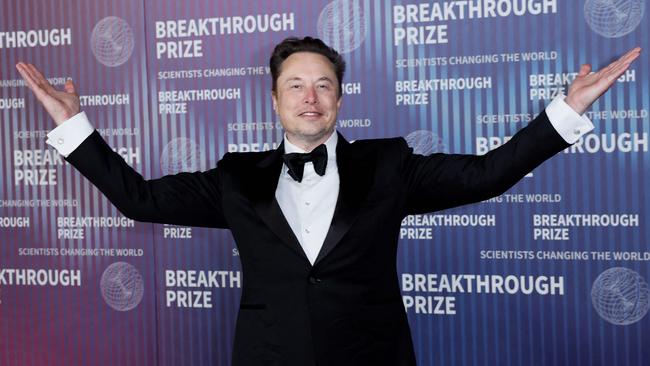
x=346, y=309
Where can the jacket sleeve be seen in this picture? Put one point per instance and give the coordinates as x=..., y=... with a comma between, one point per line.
x=441, y=181
x=192, y=199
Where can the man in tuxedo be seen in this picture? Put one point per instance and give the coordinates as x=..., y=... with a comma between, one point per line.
x=317, y=220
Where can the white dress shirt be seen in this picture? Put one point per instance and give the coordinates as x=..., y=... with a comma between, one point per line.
x=309, y=206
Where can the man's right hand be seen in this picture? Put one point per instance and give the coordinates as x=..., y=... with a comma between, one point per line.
x=60, y=105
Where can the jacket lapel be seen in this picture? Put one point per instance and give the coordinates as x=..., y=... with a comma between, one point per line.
x=356, y=177
x=262, y=194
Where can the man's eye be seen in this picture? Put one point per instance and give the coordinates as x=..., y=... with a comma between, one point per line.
x=323, y=86
x=296, y=86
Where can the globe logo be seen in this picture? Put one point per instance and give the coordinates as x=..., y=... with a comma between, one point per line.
x=613, y=18
x=112, y=41
x=122, y=286
x=342, y=25
x=180, y=155
x=620, y=296
x=424, y=142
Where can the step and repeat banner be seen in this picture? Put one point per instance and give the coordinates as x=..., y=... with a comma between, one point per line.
x=554, y=271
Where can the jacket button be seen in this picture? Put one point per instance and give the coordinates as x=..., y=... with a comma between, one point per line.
x=315, y=280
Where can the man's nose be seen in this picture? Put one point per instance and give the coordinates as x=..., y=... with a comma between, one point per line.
x=310, y=96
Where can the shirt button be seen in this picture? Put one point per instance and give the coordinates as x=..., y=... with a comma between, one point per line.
x=59, y=141
x=307, y=230
x=576, y=131
x=315, y=280
x=307, y=203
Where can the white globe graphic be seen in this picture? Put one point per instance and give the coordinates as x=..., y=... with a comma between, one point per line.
x=424, y=142
x=613, y=18
x=342, y=25
x=112, y=41
x=180, y=155
x=122, y=286
x=620, y=296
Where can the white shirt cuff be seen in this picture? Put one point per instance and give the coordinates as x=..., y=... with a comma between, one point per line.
x=567, y=122
x=66, y=137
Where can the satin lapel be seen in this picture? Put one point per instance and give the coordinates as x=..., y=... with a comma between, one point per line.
x=262, y=194
x=356, y=177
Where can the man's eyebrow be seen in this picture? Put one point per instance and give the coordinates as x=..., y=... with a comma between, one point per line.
x=295, y=78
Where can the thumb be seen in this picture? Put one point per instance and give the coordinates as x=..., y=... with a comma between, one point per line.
x=584, y=69
x=69, y=87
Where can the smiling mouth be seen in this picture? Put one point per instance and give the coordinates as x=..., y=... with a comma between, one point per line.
x=310, y=114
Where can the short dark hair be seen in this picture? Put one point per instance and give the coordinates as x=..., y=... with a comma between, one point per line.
x=292, y=45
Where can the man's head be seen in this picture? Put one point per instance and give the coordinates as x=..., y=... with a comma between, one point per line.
x=293, y=45
x=307, y=77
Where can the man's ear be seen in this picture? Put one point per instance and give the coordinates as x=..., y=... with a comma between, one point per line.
x=274, y=98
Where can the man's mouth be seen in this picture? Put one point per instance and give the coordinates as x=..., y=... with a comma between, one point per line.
x=310, y=114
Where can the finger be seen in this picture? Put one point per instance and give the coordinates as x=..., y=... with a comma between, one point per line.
x=617, y=71
x=41, y=94
x=585, y=69
x=608, y=69
x=26, y=74
x=614, y=72
x=28, y=71
x=36, y=73
x=627, y=59
x=40, y=79
x=631, y=54
x=69, y=87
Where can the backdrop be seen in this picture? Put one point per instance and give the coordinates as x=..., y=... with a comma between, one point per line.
x=554, y=271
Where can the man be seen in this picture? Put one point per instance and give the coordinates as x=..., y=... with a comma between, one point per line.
x=317, y=233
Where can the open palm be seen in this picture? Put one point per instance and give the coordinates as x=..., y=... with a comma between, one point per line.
x=588, y=86
x=59, y=104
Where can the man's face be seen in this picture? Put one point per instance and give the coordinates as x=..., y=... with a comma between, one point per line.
x=307, y=98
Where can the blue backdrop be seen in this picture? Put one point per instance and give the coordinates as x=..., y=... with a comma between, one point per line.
x=555, y=271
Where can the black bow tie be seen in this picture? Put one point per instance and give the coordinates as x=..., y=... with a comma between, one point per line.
x=296, y=162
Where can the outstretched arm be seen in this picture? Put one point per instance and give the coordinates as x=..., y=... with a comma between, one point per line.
x=192, y=199
x=442, y=181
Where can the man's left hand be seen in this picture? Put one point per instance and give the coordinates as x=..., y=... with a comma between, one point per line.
x=588, y=86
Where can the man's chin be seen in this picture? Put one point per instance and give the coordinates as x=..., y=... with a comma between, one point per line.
x=313, y=136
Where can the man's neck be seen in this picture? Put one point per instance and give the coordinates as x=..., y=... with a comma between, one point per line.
x=306, y=145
